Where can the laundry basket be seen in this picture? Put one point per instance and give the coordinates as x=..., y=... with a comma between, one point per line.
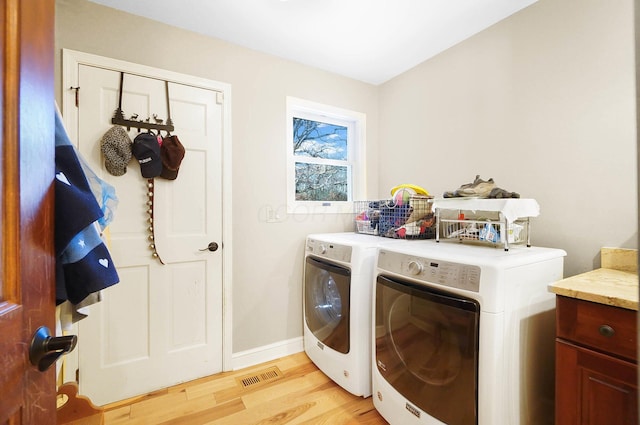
x=401, y=220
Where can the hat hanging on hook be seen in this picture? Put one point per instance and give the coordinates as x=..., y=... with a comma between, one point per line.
x=147, y=151
x=171, y=153
x=116, y=148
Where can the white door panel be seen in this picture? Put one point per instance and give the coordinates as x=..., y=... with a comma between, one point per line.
x=125, y=313
x=162, y=324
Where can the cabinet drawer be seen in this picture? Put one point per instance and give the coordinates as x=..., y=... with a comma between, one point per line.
x=602, y=327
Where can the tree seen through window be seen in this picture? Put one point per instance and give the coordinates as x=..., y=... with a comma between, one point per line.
x=321, y=167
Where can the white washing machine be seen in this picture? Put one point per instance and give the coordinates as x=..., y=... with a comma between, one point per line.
x=464, y=335
x=338, y=276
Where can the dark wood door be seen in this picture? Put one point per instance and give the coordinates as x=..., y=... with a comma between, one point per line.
x=593, y=388
x=27, y=299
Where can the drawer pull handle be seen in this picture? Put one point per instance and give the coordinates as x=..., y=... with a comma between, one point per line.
x=606, y=330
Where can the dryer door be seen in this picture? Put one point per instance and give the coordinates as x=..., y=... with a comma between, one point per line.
x=427, y=348
x=326, y=306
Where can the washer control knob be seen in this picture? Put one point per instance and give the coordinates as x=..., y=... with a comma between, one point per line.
x=322, y=249
x=415, y=268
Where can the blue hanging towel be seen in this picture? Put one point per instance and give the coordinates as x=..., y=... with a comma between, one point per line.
x=83, y=263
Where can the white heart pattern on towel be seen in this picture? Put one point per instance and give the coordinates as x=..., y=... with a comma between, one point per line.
x=104, y=262
x=60, y=176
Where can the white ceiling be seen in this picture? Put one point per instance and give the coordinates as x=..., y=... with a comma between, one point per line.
x=368, y=40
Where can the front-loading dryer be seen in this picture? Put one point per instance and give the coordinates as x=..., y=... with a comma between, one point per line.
x=464, y=335
x=338, y=273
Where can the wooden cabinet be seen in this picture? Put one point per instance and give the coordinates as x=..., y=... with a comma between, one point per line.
x=596, y=364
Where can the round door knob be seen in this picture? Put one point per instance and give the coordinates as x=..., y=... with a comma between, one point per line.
x=211, y=247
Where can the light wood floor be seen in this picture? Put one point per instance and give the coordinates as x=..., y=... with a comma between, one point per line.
x=294, y=392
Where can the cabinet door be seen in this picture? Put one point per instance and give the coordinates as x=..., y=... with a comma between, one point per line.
x=593, y=388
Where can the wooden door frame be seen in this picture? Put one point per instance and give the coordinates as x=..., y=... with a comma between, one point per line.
x=71, y=61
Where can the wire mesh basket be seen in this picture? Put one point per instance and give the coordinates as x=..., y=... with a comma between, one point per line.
x=412, y=219
x=486, y=231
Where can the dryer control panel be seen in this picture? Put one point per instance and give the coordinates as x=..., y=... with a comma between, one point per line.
x=445, y=273
x=329, y=250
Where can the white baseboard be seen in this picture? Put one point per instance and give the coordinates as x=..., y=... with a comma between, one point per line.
x=266, y=353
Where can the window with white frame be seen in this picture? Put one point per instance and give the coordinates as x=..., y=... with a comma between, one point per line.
x=325, y=157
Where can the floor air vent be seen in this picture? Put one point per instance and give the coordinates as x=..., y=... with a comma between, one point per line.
x=260, y=378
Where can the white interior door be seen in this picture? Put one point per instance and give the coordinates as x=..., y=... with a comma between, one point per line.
x=162, y=324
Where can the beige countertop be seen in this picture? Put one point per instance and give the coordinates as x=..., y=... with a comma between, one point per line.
x=616, y=283
x=605, y=286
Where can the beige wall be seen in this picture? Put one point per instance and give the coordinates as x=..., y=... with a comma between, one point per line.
x=267, y=257
x=543, y=102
